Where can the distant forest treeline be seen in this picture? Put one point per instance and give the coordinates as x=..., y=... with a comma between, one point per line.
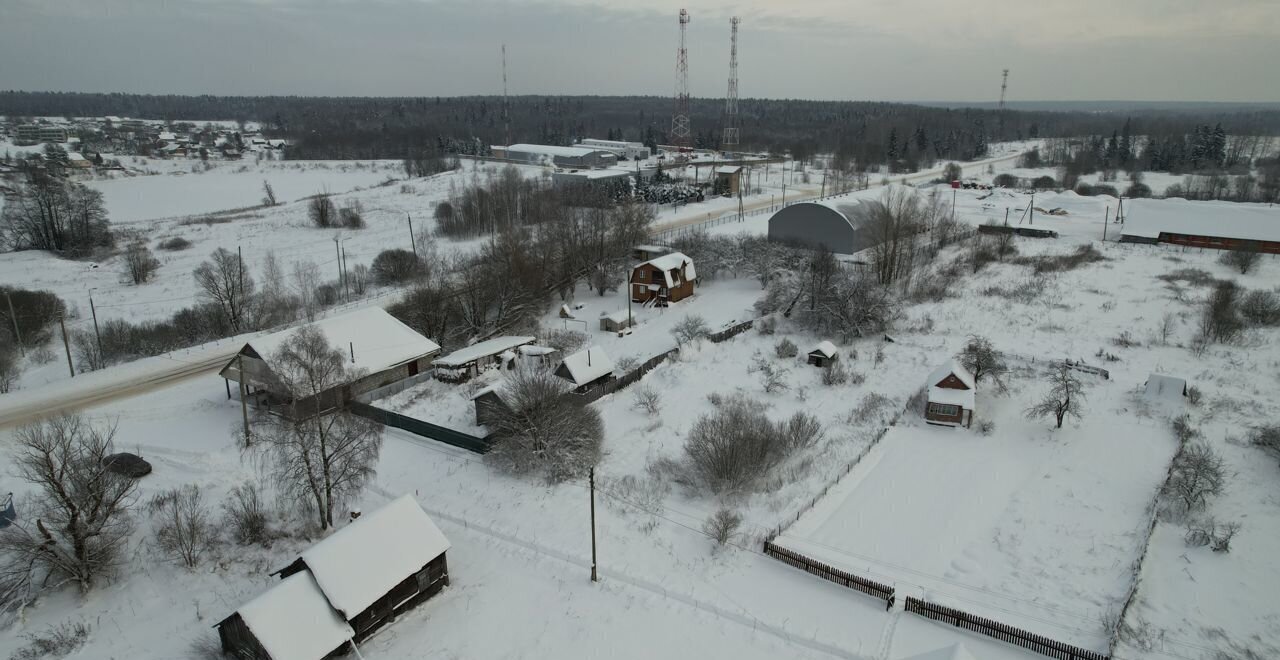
x=903, y=136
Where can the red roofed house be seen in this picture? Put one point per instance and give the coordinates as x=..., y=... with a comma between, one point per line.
x=669, y=278
x=951, y=396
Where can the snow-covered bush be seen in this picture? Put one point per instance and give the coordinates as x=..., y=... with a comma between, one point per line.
x=767, y=325
x=1208, y=531
x=542, y=429
x=322, y=211
x=1244, y=259
x=1267, y=437
x=648, y=400
x=566, y=341
x=835, y=374
x=245, y=514
x=351, y=216
x=1198, y=473
x=733, y=448
x=174, y=244
x=986, y=427
x=772, y=378
x=1220, y=320
x=184, y=531
x=54, y=642
x=691, y=328
x=722, y=526
x=1261, y=308
x=785, y=348
x=9, y=368
x=139, y=263
x=395, y=266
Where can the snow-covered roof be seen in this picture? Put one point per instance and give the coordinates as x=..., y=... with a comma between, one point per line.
x=669, y=262
x=825, y=349
x=293, y=620
x=379, y=340
x=1147, y=218
x=728, y=169
x=485, y=348
x=536, y=350
x=619, y=316
x=956, y=651
x=652, y=248
x=948, y=368
x=1165, y=388
x=588, y=365
x=592, y=142
x=73, y=156
x=951, y=396
x=552, y=150
x=485, y=390
x=361, y=562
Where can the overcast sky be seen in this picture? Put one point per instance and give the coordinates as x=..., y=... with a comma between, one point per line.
x=1186, y=50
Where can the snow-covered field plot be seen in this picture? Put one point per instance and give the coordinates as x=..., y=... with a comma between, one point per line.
x=443, y=404
x=1034, y=529
x=186, y=188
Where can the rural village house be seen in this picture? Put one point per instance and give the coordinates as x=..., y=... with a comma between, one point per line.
x=586, y=369
x=669, y=278
x=380, y=350
x=951, y=396
x=343, y=588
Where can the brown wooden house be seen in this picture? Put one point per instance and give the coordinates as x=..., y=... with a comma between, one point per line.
x=344, y=588
x=669, y=278
x=951, y=396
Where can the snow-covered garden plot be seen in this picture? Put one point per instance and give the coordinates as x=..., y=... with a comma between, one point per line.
x=440, y=403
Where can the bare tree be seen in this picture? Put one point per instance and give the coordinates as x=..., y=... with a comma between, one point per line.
x=983, y=360
x=245, y=514
x=1220, y=320
x=139, y=263
x=892, y=225
x=543, y=429
x=306, y=277
x=80, y=510
x=772, y=379
x=268, y=194
x=648, y=399
x=323, y=453
x=50, y=213
x=1208, y=531
x=10, y=370
x=722, y=526
x=184, y=531
x=1168, y=323
x=1198, y=473
x=1065, y=396
x=224, y=280
x=690, y=329
x=322, y=211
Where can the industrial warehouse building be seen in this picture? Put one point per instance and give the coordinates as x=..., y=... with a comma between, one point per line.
x=627, y=150
x=568, y=157
x=827, y=224
x=1214, y=225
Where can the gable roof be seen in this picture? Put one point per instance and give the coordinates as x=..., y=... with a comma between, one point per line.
x=293, y=620
x=588, y=366
x=728, y=169
x=481, y=349
x=948, y=368
x=672, y=261
x=824, y=348
x=1165, y=388
x=361, y=562
x=1242, y=221
x=379, y=340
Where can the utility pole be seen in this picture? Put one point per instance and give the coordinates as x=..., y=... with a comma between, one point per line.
x=244, y=388
x=346, y=281
x=238, y=299
x=66, y=345
x=592, y=480
x=1006, y=216
x=824, y=185
x=413, y=242
x=1106, y=220
x=953, y=204
x=97, y=335
x=337, y=251
x=1031, y=209
x=17, y=334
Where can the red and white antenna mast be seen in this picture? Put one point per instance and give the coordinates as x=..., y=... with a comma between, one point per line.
x=729, y=140
x=681, y=133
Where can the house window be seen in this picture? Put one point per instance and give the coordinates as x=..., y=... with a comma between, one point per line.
x=640, y=276
x=943, y=410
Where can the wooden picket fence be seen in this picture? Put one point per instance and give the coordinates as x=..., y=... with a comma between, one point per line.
x=1005, y=633
x=831, y=573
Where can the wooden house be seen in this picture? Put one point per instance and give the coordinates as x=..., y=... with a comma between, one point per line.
x=290, y=621
x=823, y=354
x=951, y=396
x=379, y=566
x=669, y=278
x=466, y=363
x=586, y=369
x=378, y=348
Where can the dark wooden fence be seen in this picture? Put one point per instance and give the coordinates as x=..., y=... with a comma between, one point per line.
x=831, y=573
x=627, y=379
x=730, y=332
x=421, y=428
x=1005, y=633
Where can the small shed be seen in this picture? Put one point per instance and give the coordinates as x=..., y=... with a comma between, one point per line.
x=290, y=621
x=587, y=369
x=379, y=566
x=823, y=354
x=1165, y=389
x=728, y=179
x=951, y=396
x=465, y=363
x=616, y=321
x=486, y=402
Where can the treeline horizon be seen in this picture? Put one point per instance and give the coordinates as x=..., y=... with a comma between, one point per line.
x=904, y=136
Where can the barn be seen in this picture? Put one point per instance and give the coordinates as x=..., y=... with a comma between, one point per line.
x=951, y=396
x=1213, y=225
x=669, y=278
x=827, y=224
x=587, y=369
x=343, y=588
x=465, y=363
x=572, y=157
x=380, y=350
x=823, y=354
